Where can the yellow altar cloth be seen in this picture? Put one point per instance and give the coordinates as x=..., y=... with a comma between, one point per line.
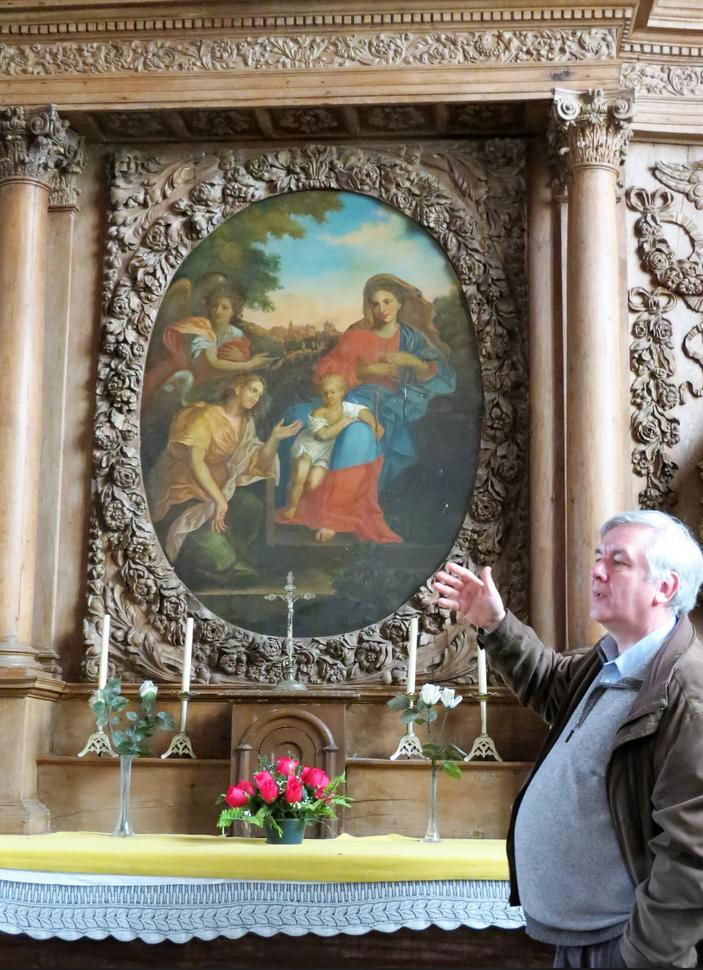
x=378, y=858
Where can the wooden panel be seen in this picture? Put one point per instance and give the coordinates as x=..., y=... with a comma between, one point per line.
x=407, y=948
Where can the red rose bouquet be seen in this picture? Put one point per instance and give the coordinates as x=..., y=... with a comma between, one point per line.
x=281, y=790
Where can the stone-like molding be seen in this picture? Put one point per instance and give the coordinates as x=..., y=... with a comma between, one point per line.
x=597, y=126
x=310, y=52
x=663, y=80
x=37, y=144
x=471, y=198
x=355, y=19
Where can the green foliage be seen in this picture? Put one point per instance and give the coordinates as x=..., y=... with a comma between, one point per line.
x=317, y=804
x=130, y=738
x=237, y=248
x=445, y=755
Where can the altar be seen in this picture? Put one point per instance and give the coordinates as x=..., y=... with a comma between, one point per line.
x=177, y=889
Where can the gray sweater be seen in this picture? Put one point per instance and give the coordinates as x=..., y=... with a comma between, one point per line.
x=589, y=900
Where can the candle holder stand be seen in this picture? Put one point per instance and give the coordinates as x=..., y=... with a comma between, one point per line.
x=483, y=748
x=409, y=745
x=181, y=746
x=98, y=743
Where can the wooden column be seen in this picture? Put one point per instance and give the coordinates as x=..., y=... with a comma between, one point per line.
x=35, y=148
x=596, y=130
x=34, y=145
x=547, y=601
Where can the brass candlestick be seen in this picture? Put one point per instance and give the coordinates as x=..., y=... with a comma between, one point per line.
x=483, y=748
x=181, y=746
x=409, y=745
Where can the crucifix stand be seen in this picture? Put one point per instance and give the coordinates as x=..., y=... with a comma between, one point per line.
x=289, y=597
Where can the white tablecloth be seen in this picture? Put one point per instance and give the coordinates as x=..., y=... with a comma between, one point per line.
x=73, y=906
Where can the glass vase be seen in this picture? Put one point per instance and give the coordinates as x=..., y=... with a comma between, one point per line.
x=124, y=821
x=432, y=835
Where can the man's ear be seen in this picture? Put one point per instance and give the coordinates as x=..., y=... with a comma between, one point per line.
x=667, y=589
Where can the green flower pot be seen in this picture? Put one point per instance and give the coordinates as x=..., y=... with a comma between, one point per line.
x=293, y=831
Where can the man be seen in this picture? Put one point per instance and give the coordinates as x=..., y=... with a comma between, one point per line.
x=606, y=838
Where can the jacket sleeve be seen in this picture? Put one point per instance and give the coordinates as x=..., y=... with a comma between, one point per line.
x=538, y=676
x=667, y=919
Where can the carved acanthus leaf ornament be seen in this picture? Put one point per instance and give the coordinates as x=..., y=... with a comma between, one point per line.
x=471, y=198
x=680, y=80
x=597, y=126
x=309, y=52
x=36, y=143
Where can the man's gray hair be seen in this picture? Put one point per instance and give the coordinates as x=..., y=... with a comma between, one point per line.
x=673, y=549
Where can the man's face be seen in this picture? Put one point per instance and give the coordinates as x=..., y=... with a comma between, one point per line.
x=622, y=595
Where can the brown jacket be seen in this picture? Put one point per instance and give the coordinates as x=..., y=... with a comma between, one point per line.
x=654, y=776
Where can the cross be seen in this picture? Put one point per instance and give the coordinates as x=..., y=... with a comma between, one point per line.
x=289, y=597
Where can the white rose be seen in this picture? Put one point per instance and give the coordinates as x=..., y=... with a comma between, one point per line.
x=449, y=698
x=148, y=690
x=430, y=694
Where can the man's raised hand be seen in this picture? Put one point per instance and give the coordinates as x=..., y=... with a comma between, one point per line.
x=477, y=599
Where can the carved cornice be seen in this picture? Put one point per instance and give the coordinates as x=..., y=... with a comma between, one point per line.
x=318, y=51
x=74, y=23
x=663, y=80
x=597, y=127
x=35, y=143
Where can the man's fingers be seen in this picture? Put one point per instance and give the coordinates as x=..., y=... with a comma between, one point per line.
x=487, y=577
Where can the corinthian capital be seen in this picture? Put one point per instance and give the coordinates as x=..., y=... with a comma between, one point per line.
x=35, y=143
x=596, y=126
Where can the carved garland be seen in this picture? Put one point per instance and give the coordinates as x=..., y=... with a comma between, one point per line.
x=309, y=52
x=681, y=80
x=472, y=201
x=654, y=394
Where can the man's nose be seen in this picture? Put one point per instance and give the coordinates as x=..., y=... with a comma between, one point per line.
x=598, y=570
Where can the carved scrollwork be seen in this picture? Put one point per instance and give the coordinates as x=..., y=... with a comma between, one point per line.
x=309, y=51
x=681, y=80
x=36, y=143
x=471, y=198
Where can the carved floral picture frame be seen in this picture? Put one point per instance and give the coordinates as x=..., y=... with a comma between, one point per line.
x=469, y=199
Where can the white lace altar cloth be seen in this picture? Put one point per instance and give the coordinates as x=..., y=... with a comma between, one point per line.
x=71, y=906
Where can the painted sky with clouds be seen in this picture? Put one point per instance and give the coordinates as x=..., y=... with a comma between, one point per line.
x=323, y=274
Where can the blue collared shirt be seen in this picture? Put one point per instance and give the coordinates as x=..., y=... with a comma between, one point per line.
x=630, y=661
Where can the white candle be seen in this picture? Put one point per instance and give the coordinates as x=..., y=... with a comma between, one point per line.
x=482, y=671
x=412, y=654
x=187, y=655
x=104, y=647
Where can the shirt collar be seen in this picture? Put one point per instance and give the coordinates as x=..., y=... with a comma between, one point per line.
x=633, y=660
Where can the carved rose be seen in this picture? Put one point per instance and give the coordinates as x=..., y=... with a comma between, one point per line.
x=485, y=507
x=206, y=193
x=142, y=552
x=364, y=178
x=173, y=607
x=647, y=431
x=658, y=261
x=667, y=396
x=116, y=515
x=157, y=237
x=124, y=475
x=107, y=437
x=211, y=631
x=368, y=656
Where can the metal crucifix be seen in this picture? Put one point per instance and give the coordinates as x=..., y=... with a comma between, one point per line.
x=289, y=597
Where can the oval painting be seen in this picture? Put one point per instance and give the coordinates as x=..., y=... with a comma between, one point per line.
x=311, y=404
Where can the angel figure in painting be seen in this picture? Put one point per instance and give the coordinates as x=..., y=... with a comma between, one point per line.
x=393, y=363
x=201, y=349
x=211, y=523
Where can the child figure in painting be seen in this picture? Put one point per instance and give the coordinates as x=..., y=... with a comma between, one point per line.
x=312, y=447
